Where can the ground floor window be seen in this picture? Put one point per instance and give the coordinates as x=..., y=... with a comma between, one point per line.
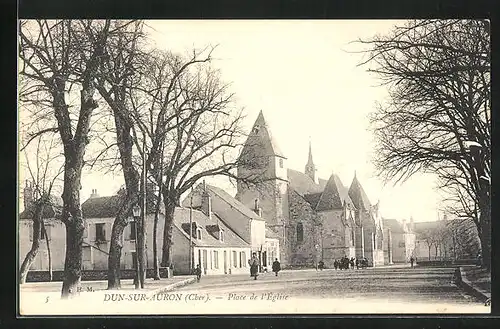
x=235, y=259
x=205, y=259
x=216, y=259
x=243, y=259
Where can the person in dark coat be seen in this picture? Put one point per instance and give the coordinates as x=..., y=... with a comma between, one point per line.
x=357, y=263
x=254, y=266
x=197, y=271
x=321, y=265
x=412, y=260
x=276, y=266
x=352, y=263
x=336, y=264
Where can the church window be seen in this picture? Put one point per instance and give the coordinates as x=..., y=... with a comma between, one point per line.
x=300, y=232
x=281, y=163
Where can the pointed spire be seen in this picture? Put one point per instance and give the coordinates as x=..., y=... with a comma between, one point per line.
x=310, y=159
x=310, y=169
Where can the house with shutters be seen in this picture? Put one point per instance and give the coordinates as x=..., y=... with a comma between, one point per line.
x=214, y=244
x=313, y=218
x=245, y=222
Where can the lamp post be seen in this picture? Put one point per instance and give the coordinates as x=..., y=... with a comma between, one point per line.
x=137, y=214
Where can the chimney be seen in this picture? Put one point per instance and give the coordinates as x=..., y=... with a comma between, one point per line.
x=94, y=194
x=206, y=202
x=28, y=194
x=257, y=209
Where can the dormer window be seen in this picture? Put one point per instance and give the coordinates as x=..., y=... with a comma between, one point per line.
x=199, y=234
x=221, y=235
x=256, y=129
x=281, y=163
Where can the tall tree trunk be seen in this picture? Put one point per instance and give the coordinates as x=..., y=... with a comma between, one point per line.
x=115, y=252
x=485, y=235
x=49, y=254
x=131, y=176
x=73, y=261
x=170, y=204
x=156, y=265
x=35, y=246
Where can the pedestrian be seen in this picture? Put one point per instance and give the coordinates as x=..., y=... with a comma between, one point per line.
x=357, y=263
x=197, y=271
x=411, y=261
x=276, y=266
x=254, y=266
x=352, y=263
x=321, y=265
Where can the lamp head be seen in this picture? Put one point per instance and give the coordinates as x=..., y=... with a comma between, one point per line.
x=136, y=210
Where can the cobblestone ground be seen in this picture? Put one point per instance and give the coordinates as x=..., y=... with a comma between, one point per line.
x=380, y=290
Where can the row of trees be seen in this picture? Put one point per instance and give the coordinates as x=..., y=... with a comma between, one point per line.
x=452, y=240
x=437, y=117
x=144, y=111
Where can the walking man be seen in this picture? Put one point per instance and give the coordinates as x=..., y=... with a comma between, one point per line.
x=411, y=261
x=254, y=266
x=276, y=266
x=198, y=272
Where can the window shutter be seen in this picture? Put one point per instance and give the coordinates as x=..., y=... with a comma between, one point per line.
x=30, y=229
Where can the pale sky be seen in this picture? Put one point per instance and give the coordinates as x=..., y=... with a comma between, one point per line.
x=308, y=86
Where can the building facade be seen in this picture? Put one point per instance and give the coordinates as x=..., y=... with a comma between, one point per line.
x=315, y=219
x=401, y=241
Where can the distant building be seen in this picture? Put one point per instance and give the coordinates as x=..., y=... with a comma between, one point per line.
x=400, y=241
x=313, y=218
x=447, y=240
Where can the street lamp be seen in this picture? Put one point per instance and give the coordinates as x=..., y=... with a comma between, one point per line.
x=136, y=210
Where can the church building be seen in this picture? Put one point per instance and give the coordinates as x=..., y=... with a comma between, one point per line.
x=315, y=219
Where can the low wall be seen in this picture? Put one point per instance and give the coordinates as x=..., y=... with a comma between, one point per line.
x=447, y=262
x=90, y=275
x=435, y=263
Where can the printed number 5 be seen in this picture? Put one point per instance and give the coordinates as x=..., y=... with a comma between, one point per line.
x=47, y=299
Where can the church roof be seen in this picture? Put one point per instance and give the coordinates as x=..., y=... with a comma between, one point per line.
x=334, y=195
x=261, y=139
x=358, y=195
x=303, y=184
x=312, y=199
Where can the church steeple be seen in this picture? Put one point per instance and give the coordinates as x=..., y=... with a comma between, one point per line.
x=310, y=168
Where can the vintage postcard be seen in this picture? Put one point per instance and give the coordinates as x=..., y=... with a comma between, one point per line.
x=172, y=167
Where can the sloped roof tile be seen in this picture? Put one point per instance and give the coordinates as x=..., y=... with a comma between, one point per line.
x=231, y=239
x=334, y=195
x=303, y=184
x=358, y=195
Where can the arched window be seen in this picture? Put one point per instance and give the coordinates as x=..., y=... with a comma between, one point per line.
x=300, y=232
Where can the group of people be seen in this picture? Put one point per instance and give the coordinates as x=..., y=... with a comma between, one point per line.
x=254, y=266
x=345, y=263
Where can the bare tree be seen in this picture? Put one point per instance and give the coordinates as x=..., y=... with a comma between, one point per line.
x=42, y=166
x=118, y=76
x=192, y=128
x=438, y=116
x=57, y=56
